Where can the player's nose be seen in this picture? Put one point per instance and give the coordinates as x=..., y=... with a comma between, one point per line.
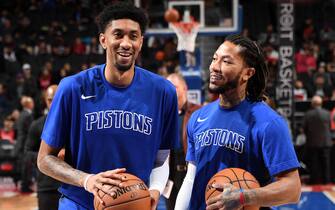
x=125, y=43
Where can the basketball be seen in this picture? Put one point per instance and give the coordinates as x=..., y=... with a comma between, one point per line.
x=133, y=195
x=171, y=15
x=236, y=176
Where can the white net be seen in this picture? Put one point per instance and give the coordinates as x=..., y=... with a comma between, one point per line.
x=186, y=31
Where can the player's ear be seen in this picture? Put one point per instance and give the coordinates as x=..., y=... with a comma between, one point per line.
x=141, y=42
x=102, y=40
x=248, y=73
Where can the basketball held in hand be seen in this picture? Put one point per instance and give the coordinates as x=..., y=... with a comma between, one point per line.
x=134, y=195
x=238, y=177
x=171, y=15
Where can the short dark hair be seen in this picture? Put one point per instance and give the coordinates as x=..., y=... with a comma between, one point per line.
x=253, y=56
x=120, y=10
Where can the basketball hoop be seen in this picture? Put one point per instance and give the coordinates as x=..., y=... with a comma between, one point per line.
x=186, y=31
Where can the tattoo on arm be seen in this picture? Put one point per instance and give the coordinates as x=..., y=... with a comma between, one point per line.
x=249, y=196
x=60, y=170
x=230, y=198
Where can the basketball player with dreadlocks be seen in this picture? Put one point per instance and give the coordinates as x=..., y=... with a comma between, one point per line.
x=239, y=130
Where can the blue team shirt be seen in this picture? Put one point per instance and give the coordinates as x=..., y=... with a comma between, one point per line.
x=250, y=136
x=104, y=127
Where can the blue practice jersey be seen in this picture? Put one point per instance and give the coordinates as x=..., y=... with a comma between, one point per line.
x=104, y=127
x=250, y=136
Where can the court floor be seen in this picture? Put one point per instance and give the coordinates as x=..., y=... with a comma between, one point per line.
x=313, y=198
x=318, y=197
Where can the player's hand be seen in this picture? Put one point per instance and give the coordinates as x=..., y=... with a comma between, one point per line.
x=104, y=181
x=154, y=194
x=228, y=199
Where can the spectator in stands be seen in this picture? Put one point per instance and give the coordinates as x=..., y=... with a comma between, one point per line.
x=42, y=47
x=78, y=47
x=65, y=71
x=330, y=67
x=6, y=26
x=4, y=100
x=320, y=88
x=305, y=63
x=45, y=79
x=94, y=47
x=15, y=115
x=316, y=126
x=9, y=53
x=19, y=85
x=327, y=33
x=8, y=132
x=268, y=37
x=309, y=33
x=321, y=71
x=30, y=82
x=271, y=54
x=300, y=93
x=23, y=124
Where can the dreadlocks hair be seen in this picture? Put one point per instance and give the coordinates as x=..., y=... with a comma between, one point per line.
x=253, y=57
x=122, y=10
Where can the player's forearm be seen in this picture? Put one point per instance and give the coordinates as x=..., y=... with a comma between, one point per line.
x=286, y=189
x=160, y=174
x=184, y=194
x=60, y=170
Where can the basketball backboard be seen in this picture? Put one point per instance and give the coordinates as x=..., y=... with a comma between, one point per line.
x=216, y=17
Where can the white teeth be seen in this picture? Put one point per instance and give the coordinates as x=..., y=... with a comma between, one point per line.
x=216, y=77
x=125, y=54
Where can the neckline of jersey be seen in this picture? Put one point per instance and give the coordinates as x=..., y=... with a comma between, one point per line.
x=242, y=103
x=109, y=85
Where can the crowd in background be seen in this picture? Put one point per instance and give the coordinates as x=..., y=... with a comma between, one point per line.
x=42, y=42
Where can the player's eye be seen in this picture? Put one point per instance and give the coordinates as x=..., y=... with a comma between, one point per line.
x=117, y=34
x=227, y=61
x=133, y=36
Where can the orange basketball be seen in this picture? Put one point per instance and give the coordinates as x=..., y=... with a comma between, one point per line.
x=171, y=15
x=236, y=176
x=133, y=195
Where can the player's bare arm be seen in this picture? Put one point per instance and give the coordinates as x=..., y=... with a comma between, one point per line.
x=286, y=189
x=50, y=164
x=273, y=194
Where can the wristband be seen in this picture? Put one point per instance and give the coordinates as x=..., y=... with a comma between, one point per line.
x=85, y=181
x=242, y=198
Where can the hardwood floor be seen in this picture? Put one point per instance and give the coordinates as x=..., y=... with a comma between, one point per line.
x=12, y=199
x=19, y=202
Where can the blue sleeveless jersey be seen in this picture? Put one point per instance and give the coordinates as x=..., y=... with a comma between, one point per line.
x=104, y=127
x=250, y=136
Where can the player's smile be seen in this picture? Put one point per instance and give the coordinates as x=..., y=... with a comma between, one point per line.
x=214, y=77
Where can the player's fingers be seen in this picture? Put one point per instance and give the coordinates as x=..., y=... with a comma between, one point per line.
x=114, y=173
x=213, y=206
x=109, y=181
x=96, y=195
x=153, y=204
x=218, y=186
x=109, y=189
x=229, y=186
x=105, y=188
x=212, y=200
